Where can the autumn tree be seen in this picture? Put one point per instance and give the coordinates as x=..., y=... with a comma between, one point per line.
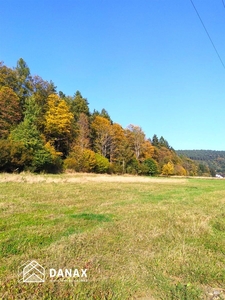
x=136, y=139
x=8, y=77
x=41, y=89
x=179, y=170
x=147, y=151
x=190, y=167
x=125, y=156
x=83, y=135
x=14, y=156
x=120, y=150
x=101, y=133
x=10, y=113
x=58, y=123
x=168, y=169
x=117, y=141
x=81, y=160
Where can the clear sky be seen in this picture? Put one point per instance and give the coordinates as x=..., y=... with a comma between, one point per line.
x=147, y=62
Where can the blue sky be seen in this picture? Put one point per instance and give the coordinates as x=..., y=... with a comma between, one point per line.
x=147, y=62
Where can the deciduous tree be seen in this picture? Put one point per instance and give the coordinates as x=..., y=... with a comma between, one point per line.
x=83, y=136
x=101, y=131
x=81, y=160
x=8, y=77
x=168, y=169
x=10, y=113
x=136, y=139
x=58, y=123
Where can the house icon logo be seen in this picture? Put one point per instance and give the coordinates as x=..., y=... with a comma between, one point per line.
x=31, y=271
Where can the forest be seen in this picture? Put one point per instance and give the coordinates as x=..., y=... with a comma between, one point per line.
x=207, y=160
x=42, y=130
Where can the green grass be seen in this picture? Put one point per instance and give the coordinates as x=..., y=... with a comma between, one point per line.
x=162, y=239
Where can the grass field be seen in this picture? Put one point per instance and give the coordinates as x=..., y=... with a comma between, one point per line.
x=139, y=238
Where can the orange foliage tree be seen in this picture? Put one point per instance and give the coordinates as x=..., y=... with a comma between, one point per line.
x=10, y=113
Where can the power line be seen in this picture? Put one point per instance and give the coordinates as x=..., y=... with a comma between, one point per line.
x=208, y=33
x=223, y=3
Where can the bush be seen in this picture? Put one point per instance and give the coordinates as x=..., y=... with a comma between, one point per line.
x=133, y=167
x=150, y=167
x=179, y=170
x=102, y=164
x=14, y=156
x=43, y=161
x=116, y=168
x=81, y=160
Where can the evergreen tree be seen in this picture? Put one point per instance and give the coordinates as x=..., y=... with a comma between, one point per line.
x=79, y=105
x=155, y=140
x=24, y=81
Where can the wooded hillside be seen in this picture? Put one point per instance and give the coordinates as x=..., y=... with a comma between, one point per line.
x=214, y=160
x=42, y=130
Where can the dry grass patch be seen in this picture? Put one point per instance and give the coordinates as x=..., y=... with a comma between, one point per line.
x=84, y=177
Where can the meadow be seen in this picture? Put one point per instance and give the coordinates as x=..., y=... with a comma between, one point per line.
x=137, y=237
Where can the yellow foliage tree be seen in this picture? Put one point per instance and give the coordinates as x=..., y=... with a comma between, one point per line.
x=117, y=141
x=168, y=169
x=52, y=150
x=58, y=123
x=102, y=131
x=58, y=117
x=81, y=160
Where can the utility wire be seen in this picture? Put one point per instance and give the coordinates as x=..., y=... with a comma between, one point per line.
x=208, y=33
x=223, y=3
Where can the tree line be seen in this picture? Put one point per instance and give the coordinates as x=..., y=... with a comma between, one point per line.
x=42, y=130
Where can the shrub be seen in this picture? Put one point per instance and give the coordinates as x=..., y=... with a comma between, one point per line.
x=14, y=156
x=81, y=160
x=102, y=164
x=133, y=167
x=151, y=167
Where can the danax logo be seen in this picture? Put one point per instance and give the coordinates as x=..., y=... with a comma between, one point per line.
x=77, y=274
x=32, y=272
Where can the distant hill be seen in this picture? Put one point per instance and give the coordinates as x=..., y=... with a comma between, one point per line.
x=215, y=160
